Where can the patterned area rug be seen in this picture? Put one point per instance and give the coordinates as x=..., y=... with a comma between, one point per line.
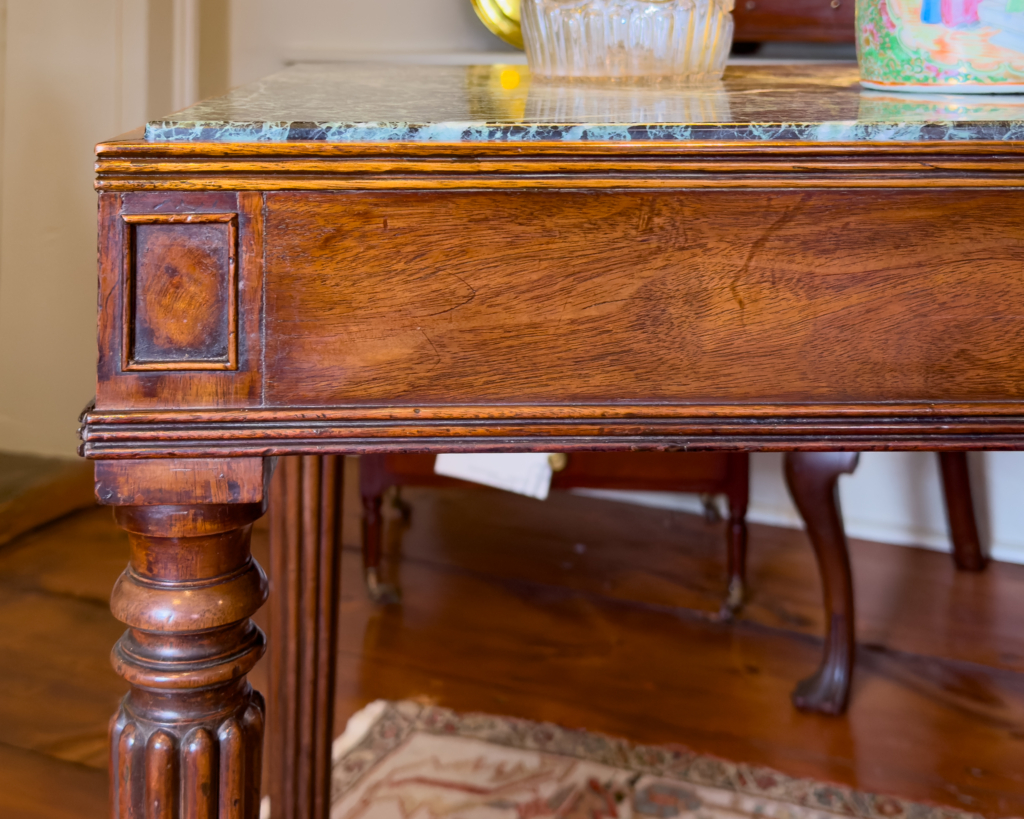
x=408, y=761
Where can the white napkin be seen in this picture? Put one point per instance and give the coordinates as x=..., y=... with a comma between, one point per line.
x=526, y=473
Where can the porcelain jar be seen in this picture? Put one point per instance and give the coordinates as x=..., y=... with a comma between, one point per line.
x=955, y=46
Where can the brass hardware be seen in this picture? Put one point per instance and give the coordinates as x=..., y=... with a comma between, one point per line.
x=502, y=18
x=559, y=461
x=836, y=3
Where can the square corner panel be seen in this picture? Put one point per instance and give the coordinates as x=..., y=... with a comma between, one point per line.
x=181, y=292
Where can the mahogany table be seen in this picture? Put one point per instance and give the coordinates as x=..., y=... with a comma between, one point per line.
x=383, y=259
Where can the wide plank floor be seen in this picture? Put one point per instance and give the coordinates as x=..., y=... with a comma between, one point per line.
x=583, y=612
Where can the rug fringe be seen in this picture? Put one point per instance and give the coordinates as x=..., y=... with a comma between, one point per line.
x=358, y=726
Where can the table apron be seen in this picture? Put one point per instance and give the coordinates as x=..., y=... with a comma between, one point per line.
x=543, y=320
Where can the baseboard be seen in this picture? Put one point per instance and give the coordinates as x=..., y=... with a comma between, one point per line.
x=35, y=491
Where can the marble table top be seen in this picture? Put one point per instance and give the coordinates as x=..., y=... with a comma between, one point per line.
x=366, y=102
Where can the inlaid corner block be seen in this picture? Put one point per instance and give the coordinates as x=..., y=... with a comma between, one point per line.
x=180, y=291
x=349, y=259
x=181, y=280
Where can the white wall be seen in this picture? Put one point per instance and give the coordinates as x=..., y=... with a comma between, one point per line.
x=62, y=93
x=893, y=497
x=75, y=72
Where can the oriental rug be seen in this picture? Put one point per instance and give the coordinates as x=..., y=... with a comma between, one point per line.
x=409, y=761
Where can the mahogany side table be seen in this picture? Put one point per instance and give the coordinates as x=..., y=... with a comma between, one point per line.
x=382, y=259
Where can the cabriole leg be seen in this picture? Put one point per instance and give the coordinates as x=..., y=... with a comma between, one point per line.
x=963, y=526
x=187, y=742
x=813, y=479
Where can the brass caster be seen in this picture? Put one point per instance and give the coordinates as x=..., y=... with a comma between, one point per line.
x=711, y=511
x=383, y=594
x=734, y=600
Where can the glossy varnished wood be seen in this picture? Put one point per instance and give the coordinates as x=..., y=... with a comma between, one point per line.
x=35, y=490
x=180, y=367
x=640, y=296
x=142, y=166
x=180, y=304
x=813, y=481
x=305, y=527
x=707, y=369
x=188, y=739
x=27, y=787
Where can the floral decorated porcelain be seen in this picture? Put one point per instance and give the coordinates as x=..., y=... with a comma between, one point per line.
x=959, y=46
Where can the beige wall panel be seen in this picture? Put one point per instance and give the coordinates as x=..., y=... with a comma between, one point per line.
x=64, y=91
x=268, y=33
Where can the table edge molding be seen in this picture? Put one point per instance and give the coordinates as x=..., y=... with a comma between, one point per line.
x=507, y=429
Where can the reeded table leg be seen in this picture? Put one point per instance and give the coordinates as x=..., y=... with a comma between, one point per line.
x=813, y=482
x=187, y=742
x=305, y=542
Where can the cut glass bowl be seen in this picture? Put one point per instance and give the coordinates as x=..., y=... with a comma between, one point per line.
x=633, y=42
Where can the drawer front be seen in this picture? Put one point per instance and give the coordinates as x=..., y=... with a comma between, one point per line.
x=714, y=296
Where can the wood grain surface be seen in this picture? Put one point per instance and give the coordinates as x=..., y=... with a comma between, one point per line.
x=717, y=297
x=187, y=740
x=813, y=481
x=554, y=296
x=968, y=551
x=194, y=385
x=305, y=561
x=181, y=292
x=594, y=638
x=150, y=483
x=707, y=473
x=137, y=165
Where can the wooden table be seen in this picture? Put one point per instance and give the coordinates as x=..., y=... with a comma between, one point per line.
x=373, y=259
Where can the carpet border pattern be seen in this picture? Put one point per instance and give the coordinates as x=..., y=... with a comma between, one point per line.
x=394, y=722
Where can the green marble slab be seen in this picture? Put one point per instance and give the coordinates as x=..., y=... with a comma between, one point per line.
x=365, y=102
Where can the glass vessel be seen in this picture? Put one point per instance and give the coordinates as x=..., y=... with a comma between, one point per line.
x=636, y=42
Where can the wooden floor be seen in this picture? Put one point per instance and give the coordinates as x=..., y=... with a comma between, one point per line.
x=586, y=613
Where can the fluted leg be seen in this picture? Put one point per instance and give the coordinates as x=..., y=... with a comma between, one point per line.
x=187, y=741
x=305, y=542
x=813, y=482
